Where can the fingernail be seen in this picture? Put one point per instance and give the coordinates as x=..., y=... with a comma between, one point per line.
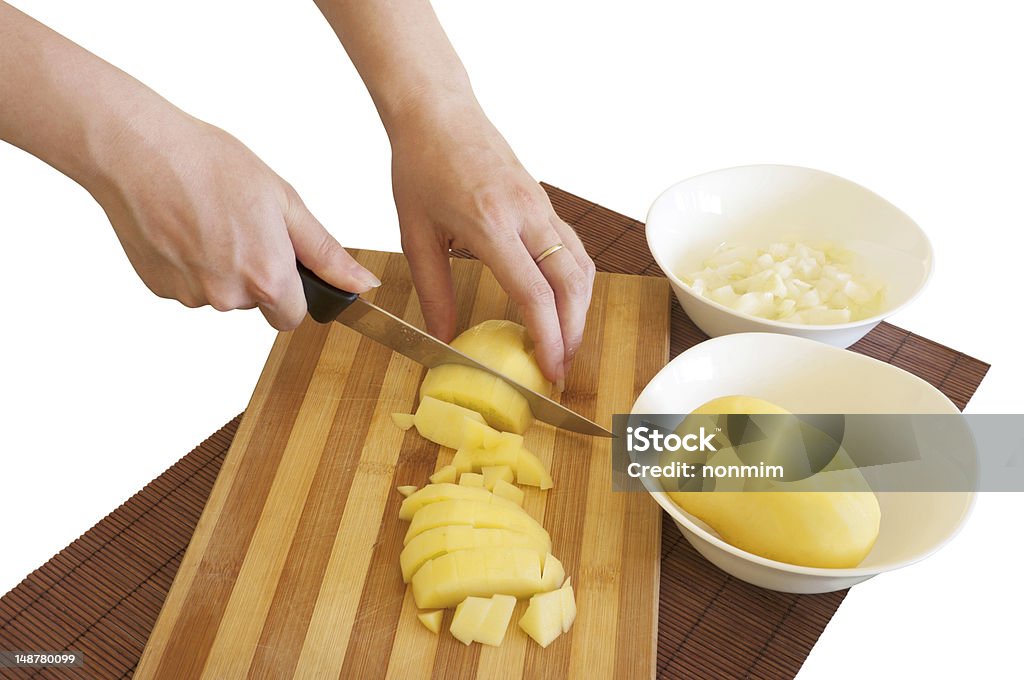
x=369, y=280
x=560, y=386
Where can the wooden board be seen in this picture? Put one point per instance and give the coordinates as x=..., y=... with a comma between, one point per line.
x=293, y=568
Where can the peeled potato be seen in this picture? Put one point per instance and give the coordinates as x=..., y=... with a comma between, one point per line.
x=505, y=347
x=831, y=529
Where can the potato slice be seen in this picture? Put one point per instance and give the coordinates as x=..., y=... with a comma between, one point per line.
x=493, y=473
x=506, y=453
x=549, y=614
x=403, y=420
x=503, y=489
x=542, y=619
x=505, y=347
x=497, y=514
x=446, y=475
x=448, y=539
x=480, y=436
x=531, y=471
x=483, y=620
x=492, y=629
x=435, y=493
x=432, y=620
x=553, y=573
x=480, y=572
x=406, y=490
x=568, y=605
x=442, y=422
x=472, y=479
x=469, y=617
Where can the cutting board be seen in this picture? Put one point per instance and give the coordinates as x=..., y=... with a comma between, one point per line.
x=293, y=567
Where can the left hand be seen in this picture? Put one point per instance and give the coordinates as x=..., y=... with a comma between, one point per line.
x=457, y=184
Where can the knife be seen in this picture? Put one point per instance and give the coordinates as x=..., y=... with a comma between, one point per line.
x=327, y=303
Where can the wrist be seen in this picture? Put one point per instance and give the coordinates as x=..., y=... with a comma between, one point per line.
x=117, y=139
x=423, y=105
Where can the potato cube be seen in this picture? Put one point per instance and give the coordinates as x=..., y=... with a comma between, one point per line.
x=432, y=620
x=503, y=489
x=492, y=473
x=403, y=420
x=471, y=479
x=446, y=475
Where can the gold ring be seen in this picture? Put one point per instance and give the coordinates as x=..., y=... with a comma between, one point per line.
x=547, y=252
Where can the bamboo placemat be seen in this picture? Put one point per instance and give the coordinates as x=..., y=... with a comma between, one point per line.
x=101, y=595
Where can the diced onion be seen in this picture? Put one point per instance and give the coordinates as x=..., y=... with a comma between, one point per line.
x=789, y=281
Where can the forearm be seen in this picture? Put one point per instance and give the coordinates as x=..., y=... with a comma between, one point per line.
x=401, y=53
x=60, y=102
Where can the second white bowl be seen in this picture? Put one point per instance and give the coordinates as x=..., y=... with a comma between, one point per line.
x=808, y=377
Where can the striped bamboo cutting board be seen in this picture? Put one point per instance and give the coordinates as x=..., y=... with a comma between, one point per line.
x=293, y=568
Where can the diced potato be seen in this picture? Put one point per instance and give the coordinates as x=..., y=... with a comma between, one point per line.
x=493, y=473
x=469, y=617
x=553, y=573
x=508, y=452
x=480, y=436
x=407, y=490
x=441, y=422
x=505, y=347
x=448, y=539
x=568, y=605
x=505, y=453
x=503, y=489
x=403, y=420
x=446, y=475
x=496, y=514
x=550, y=614
x=481, y=572
x=492, y=629
x=543, y=618
x=435, y=493
x=432, y=620
x=462, y=461
x=531, y=471
x=471, y=479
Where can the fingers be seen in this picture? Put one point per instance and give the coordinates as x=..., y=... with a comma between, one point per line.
x=570, y=283
x=317, y=249
x=432, y=276
x=513, y=266
x=573, y=244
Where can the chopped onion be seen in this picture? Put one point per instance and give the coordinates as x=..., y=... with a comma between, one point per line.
x=789, y=281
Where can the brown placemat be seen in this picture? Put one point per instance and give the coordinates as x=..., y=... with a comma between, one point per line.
x=101, y=595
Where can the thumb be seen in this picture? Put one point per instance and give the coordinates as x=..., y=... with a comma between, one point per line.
x=317, y=249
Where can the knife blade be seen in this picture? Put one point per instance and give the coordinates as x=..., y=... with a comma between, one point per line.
x=327, y=303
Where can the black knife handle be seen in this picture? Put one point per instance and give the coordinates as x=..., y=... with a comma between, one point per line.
x=324, y=301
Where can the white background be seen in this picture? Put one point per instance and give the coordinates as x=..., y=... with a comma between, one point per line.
x=104, y=386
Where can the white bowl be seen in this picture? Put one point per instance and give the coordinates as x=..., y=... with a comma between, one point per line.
x=760, y=204
x=808, y=377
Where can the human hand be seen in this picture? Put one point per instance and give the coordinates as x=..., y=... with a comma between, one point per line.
x=457, y=184
x=206, y=222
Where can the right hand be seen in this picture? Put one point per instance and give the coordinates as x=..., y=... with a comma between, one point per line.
x=206, y=222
